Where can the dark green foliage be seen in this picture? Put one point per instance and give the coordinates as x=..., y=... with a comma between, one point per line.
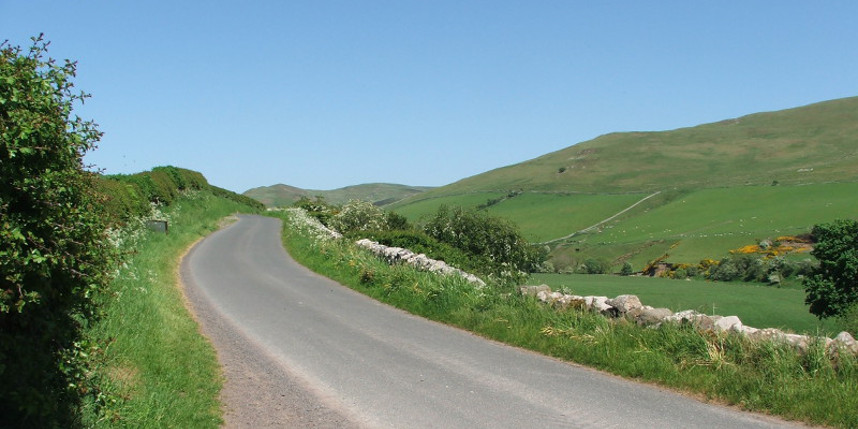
x=627, y=269
x=163, y=185
x=497, y=241
x=595, y=266
x=184, y=179
x=742, y=267
x=832, y=288
x=53, y=257
x=122, y=201
x=232, y=196
x=396, y=221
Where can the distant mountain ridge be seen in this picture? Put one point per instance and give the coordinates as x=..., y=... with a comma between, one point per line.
x=378, y=193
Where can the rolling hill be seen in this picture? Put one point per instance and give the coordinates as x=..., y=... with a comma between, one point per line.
x=712, y=188
x=811, y=144
x=378, y=193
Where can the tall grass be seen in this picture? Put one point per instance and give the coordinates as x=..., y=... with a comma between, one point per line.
x=761, y=377
x=150, y=364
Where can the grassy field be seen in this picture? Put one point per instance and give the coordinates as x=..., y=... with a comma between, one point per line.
x=687, y=225
x=154, y=368
x=707, y=223
x=544, y=217
x=541, y=217
x=420, y=209
x=723, y=185
x=758, y=306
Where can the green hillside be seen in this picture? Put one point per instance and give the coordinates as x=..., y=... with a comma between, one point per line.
x=378, y=193
x=810, y=144
x=714, y=187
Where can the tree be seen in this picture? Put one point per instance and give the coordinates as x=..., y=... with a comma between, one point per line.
x=54, y=255
x=832, y=287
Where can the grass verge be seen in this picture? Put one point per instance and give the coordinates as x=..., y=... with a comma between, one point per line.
x=149, y=362
x=761, y=377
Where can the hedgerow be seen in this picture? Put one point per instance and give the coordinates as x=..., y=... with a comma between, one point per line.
x=54, y=256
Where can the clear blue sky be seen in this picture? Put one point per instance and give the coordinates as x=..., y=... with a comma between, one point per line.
x=325, y=94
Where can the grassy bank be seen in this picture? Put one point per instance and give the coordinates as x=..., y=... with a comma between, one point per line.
x=150, y=362
x=760, y=377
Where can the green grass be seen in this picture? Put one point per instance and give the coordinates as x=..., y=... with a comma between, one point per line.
x=761, y=377
x=544, y=217
x=423, y=208
x=756, y=305
x=153, y=366
x=708, y=223
x=718, y=176
x=541, y=217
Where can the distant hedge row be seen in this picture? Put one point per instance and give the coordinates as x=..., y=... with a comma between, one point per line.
x=129, y=196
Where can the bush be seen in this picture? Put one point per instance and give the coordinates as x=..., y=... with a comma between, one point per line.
x=359, y=216
x=832, y=288
x=238, y=198
x=627, y=269
x=54, y=256
x=496, y=240
x=183, y=179
x=742, y=267
x=594, y=266
x=121, y=201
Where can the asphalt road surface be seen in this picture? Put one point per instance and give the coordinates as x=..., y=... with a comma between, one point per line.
x=300, y=350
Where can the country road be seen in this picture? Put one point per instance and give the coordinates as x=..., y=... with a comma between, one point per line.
x=300, y=350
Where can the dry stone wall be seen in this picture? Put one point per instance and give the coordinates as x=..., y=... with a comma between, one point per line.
x=418, y=260
x=631, y=308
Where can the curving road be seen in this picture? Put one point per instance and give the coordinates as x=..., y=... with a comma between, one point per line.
x=300, y=350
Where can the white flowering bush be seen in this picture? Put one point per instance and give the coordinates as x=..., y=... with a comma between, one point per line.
x=310, y=226
x=359, y=216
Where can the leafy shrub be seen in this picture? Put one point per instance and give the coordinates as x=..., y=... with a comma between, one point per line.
x=359, y=216
x=54, y=256
x=121, y=201
x=832, y=288
x=627, y=269
x=739, y=267
x=183, y=179
x=396, y=221
x=495, y=240
x=594, y=266
x=232, y=196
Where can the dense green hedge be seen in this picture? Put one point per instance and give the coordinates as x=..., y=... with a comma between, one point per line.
x=53, y=253
x=243, y=199
x=129, y=196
